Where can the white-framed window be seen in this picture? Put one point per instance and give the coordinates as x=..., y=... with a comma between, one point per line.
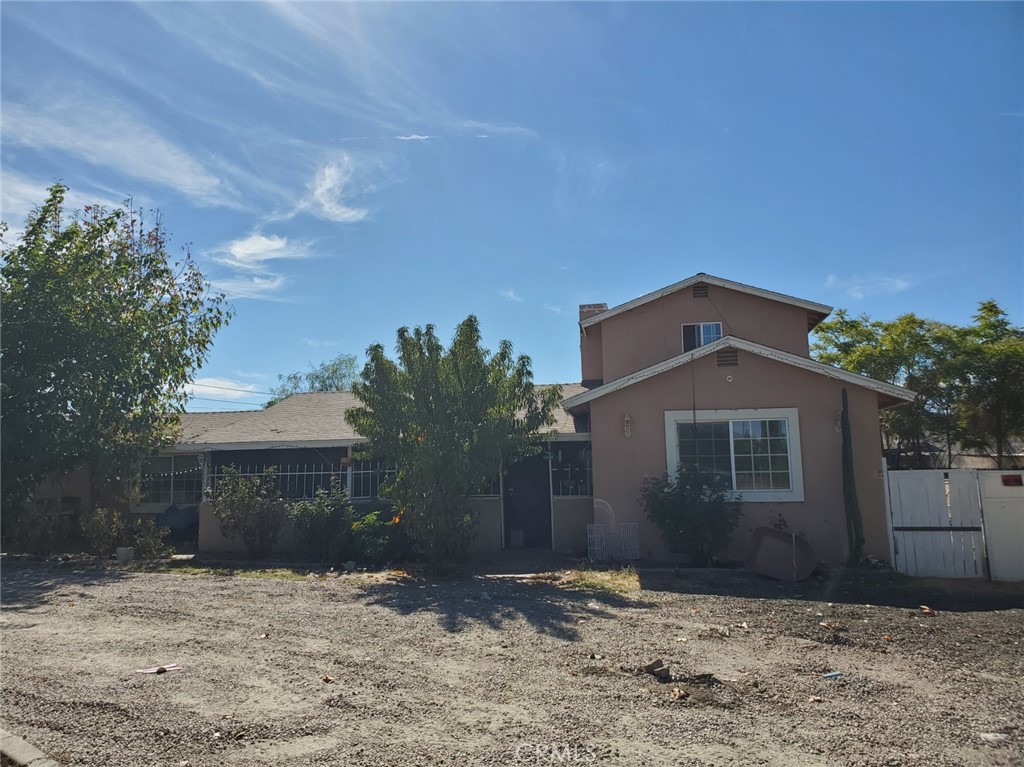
x=174, y=480
x=700, y=333
x=756, y=451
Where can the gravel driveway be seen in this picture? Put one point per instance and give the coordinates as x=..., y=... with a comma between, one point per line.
x=377, y=670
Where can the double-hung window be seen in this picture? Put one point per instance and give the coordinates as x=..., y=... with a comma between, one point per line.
x=700, y=334
x=755, y=452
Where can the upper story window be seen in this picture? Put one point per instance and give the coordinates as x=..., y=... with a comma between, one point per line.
x=700, y=334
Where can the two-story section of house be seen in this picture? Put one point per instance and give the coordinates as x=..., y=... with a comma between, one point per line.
x=718, y=374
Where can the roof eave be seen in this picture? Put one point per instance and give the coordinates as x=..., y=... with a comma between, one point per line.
x=710, y=279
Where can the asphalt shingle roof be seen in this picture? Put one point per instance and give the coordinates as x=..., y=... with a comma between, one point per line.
x=313, y=417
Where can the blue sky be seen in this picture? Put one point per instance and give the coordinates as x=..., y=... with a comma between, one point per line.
x=342, y=170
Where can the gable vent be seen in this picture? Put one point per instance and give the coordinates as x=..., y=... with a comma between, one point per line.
x=728, y=358
x=700, y=291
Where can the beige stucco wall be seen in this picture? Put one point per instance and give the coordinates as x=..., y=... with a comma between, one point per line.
x=571, y=517
x=591, y=361
x=652, y=332
x=621, y=464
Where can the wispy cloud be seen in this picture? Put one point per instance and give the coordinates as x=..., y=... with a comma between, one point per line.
x=252, y=253
x=509, y=294
x=247, y=374
x=84, y=129
x=329, y=192
x=313, y=344
x=223, y=388
x=553, y=309
x=858, y=287
x=255, y=286
x=250, y=258
x=414, y=137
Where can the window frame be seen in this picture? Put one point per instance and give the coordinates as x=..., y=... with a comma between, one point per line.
x=700, y=334
x=789, y=414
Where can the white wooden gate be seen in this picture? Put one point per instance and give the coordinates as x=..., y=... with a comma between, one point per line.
x=936, y=523
x=957, y=523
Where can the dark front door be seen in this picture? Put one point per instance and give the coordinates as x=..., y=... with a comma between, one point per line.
x=528, y=504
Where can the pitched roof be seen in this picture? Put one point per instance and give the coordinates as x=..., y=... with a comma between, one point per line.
x=301, y=420
x=312, y=419
x=708, y=279
x=897, y=394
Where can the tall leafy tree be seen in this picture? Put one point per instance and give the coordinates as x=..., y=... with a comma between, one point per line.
x=448, y=418
x=337, y=374
x=969, y=380
x=902, y=352
x=102, y=328
x=988, y=371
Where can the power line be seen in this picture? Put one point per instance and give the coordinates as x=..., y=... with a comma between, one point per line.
x=232, y=388
x=229, y=401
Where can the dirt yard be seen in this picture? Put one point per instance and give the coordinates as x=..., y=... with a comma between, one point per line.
x=385, y=670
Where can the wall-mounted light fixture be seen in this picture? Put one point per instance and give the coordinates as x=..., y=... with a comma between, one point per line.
x=627, y=425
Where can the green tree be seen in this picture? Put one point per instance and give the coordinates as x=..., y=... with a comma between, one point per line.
x=102, y=331
x=333, y=375
x=448, y=419
x=988, y=372
x=903, y=352
x=969, y=380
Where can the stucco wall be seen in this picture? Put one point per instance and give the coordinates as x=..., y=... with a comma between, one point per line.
x=571, y=517
x=651, y=333
x=621, y=464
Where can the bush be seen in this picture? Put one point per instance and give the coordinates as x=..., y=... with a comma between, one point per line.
x=104, y=530
x=695, y=512
x=332, y=530
x=251, y=510
x=147, y=538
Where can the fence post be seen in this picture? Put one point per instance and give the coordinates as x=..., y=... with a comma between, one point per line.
x=888, y=513
x=985, y=569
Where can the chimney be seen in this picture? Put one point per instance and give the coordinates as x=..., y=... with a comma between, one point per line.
x=591, y=360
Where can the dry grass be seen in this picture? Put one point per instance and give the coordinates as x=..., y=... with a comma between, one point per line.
x=624, y=581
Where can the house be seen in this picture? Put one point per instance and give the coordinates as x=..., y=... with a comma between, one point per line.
x=718, y=373
x=706, y=371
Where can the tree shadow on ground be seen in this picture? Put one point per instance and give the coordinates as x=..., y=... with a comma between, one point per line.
x=498, y=602
x=848, y=585
x=26, y=587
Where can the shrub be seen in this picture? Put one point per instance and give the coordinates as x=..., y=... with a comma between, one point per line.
x=696, y=512
x=321, y=522
x=104, y=530
x=250, y=509
x=333, y=530
x=147, y=537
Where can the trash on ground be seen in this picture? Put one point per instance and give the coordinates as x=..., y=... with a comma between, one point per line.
x=658, y=670
x=926, y=610
x=833, y=625
x=159, y=669
x=680, y=694
x=888, y=638
x=815, y=699
x=993, y=737
x=327, y=679
x=832, y=675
